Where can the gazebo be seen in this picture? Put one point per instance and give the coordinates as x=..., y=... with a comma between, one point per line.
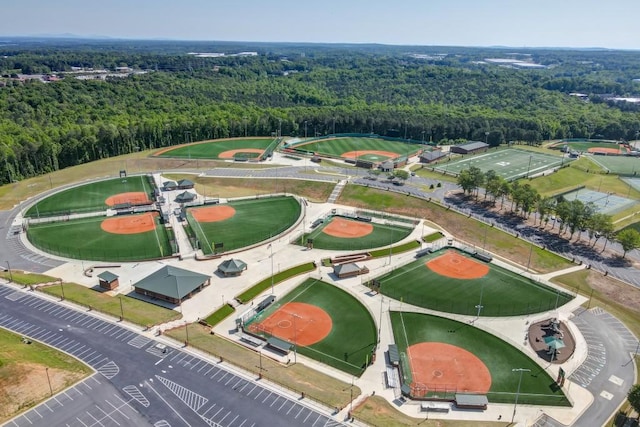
x=232, y=267
x=185, y=197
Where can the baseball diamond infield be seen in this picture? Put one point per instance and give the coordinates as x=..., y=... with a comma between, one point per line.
x=299, y=323
x=213, y=213
x=444, y=366
x=452, y=264
x=356, y=154
x=604, y=150
x=230, y=154
x=134, y=198
x=130, y=224
x=347, y=229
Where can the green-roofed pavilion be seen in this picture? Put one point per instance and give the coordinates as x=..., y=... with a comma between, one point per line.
x=232, y=267
x=172, y=284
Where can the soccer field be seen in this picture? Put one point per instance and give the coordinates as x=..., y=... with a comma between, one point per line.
x=500, y=292
x=509, y=163
x=213, y=149
x=89, y=197
x=337, y=147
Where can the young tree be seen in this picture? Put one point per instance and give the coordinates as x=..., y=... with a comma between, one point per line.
x=629, y=239
x=634, y=397
x=465, y=181
x=544, y=207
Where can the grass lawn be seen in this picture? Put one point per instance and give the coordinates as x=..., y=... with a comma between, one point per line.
x=585, y=145
x=211, y=149
x=618, y=164
x=381, y=235
x=254, y=220
x=537, y=386
x=338, y=146
x=26, y=279
x=134, y=310
x=219, y=315
x=297, y=377
x=377, y=411
x=315, y=191
x=88, y=197
x=464, y=228
x=353, y=335
x=433, y=237
x=24, y=369
x=84, y=239
x=264, y=284
x=503, y=293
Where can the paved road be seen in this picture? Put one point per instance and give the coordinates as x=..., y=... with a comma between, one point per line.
x=138, y=383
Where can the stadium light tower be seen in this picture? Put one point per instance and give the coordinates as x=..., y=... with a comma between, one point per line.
x=521, y=370
x=305, y=129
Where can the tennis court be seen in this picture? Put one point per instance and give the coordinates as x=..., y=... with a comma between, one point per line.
x=606, y=203
x=510, y=164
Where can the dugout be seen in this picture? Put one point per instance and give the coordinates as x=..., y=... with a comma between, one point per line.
x=265, y=303
x=279, y=345
x=471, y=401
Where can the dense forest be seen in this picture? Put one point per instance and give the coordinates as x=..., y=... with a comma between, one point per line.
x=439, y=94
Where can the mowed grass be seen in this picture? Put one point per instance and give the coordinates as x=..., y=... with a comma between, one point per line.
x=24, y=369
x=501, y=292
x=500, y=357
x=255, y=220
x=584, y=145
x=134, y=310
x=264, y=284
x=381, y=235
x=621, y=165
x=508, y=163
x=88, y=197
x=338, y=146
x=353, y=336
x=295, y=377
x=84, y=239
x=219, y=315
x=212, y=149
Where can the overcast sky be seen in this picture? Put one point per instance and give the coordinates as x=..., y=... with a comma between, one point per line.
x=568, y=23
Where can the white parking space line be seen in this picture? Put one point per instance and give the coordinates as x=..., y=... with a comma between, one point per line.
x=81, y=422
x=107, y=415
x=117, y=409
x=96, y=420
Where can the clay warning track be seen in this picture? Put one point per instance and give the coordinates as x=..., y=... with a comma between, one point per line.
x=132, y=224
x=347, y=229
x=452, y=264
x=296, y=322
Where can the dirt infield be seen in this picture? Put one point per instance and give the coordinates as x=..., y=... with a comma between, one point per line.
x=229, y=154
x=132, y=224
x=297, y=322
x=440, y=366
x=604, y=150
x=135, y=198
x=452, y=264
x=213, y=213
x=347, y=229
x=360, y=153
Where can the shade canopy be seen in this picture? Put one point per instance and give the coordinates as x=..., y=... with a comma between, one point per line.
x=554, y=343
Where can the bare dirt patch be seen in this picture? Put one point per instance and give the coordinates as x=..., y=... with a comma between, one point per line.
x=347, y=229
x=439, y=366
x=359, y=153
x=132, y=224
x=230, y=154
x=213, y=213
x=297, y=322
x=452, y=264
x=134, y=198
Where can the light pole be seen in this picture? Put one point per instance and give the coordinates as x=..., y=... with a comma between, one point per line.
x=406, y=122
x=529, y=166
x=486, y=137
x=186, y=331
x=49, y=381
x=271, y=247
x=10, y=273
x=305, y=129
x=244, y=119
x=279, y=127
x=521, y=370
x=121, y=310
x=480, y=306
x=380, y=322
x=334, y=125
x=530, y=253
x=295, y=339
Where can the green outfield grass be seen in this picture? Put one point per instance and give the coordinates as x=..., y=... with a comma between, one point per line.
x=337, y=146
x=353, y=336
x=255, y=220
x=84, y=239
x=88, y=197
x=500, y=357
x=620, y=165
x=382, y=235
x=212, y=149
x=508, y=163
x=585, y=145
x=504, y=293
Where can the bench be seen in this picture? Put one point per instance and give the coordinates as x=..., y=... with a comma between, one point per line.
x=435, y=407
x=256, y=342
x=391, y=378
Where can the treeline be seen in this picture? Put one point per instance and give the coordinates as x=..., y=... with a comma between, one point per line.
x=45, y=127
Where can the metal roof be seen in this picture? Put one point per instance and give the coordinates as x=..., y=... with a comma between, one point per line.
x=394, y=356
x=346, y=268
x=232, y=266
x=172, y=282
x=185, y=183
x=473, y=145
x=107, y=276
x=281, y=345
x=185, y=196
x=433, y=155
x=471, y=399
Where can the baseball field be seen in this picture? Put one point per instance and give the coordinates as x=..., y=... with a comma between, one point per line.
x=452, y=281
x=341, y=233
x=95, y=196
x=324, y=323
x=508, y=163
x=620, y=165
x=224, y=149
x=592, y=147
x=242, y=223
x=120, y=238
x=362, y=148
x=441, y=357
